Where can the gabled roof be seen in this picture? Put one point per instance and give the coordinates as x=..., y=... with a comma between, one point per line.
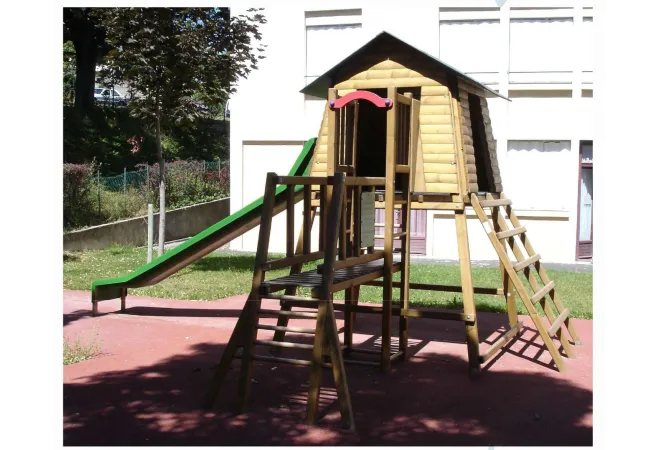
x=320, y=86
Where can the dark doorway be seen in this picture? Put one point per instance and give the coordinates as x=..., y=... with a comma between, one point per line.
x=585, y=231
x=481, y=156
x=371, y=129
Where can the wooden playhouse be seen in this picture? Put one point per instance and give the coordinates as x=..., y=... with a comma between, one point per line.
x=401, y=130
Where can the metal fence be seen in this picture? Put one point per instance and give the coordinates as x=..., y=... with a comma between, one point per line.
x=187, y=183
x=138, y=178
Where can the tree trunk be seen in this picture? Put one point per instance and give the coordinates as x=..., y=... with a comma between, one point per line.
x=86, y=56
x=161, y=192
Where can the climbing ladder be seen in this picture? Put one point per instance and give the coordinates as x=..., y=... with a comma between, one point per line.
x=505, y=239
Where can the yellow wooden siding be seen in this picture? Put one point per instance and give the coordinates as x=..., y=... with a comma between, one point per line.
x=319, y=160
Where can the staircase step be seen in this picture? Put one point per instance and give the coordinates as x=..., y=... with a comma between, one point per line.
x=558, y=321
x=284, y=344
x=494, y=203
x=286, y=329
x=295, y=362
x=526, y=263
x=511, y=232
x=540, y=294
x=276, y=312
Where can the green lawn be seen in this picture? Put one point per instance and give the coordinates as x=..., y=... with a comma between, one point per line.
x=221, y=275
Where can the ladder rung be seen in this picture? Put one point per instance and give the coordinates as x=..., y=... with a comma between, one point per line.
x=287, y=329
x=295, y=362
x=400, y=202
x=314, y=303
x=396, y=225
x=402, y=168
x=493, y=203
x=511, y=232
x=275, y=312
x=540, y=294
x=284, y=344
x=558, y=321
x=362, y=363
x=526, y=263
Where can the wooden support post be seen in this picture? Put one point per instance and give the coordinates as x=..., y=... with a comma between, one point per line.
x=390, y=162
x=468, y=293
x=254, y=299
x=404, y=291
x=290, y=220
x=326, y=329
x=507, y=285
x=225, y=361
x=124, y=293
x=307, y=220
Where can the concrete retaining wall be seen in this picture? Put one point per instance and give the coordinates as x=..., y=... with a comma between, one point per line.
x=181, y=223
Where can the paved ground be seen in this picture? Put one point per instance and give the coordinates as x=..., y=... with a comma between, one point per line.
x=146, y=386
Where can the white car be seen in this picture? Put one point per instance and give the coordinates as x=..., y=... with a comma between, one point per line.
x=107, y=95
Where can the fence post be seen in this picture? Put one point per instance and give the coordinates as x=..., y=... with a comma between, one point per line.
x=150, y=232
x=125, y=205
x=98, y=188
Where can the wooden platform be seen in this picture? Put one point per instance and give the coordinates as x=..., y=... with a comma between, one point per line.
x=343, y=279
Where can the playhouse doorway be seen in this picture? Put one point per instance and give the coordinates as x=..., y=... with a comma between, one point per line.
x=371, y=131
x=370, y=162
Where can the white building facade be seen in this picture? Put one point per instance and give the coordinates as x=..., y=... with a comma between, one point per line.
x=537, y=53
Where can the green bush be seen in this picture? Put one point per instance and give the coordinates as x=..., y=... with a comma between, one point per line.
x=78, y=185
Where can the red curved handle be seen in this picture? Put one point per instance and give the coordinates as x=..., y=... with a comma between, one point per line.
x=380, y=102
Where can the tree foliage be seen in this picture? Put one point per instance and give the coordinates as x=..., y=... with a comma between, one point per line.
x=174, y=59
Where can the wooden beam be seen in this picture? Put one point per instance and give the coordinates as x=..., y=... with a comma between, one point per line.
x=500, y=342
x=354, y=260
x=290, y=261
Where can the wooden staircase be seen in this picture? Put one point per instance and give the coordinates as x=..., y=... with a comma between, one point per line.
x=514, y=239
x=244, y=341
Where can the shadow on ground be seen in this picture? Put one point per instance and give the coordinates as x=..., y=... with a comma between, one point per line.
x=429, y=400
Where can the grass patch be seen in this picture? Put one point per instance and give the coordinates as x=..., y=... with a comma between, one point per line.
x=222, y=275
x=78, y=351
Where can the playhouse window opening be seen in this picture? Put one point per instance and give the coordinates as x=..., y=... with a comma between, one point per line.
x=481, y=155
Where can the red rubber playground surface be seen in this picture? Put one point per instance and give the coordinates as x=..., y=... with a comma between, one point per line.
x=156, y=361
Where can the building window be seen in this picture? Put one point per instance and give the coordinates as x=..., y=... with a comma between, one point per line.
x=471, y=46
x=330, y=37
x=587, y=44
x=537, y=174
x=541, y=45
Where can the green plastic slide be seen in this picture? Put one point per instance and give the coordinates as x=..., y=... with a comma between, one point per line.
x=203, y=243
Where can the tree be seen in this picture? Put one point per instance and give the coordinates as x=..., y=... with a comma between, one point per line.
x=69, y=73
x=181, y=63
x=88, y=38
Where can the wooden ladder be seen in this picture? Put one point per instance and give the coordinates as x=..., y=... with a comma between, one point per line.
x=501, y=236
x=243, y=341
